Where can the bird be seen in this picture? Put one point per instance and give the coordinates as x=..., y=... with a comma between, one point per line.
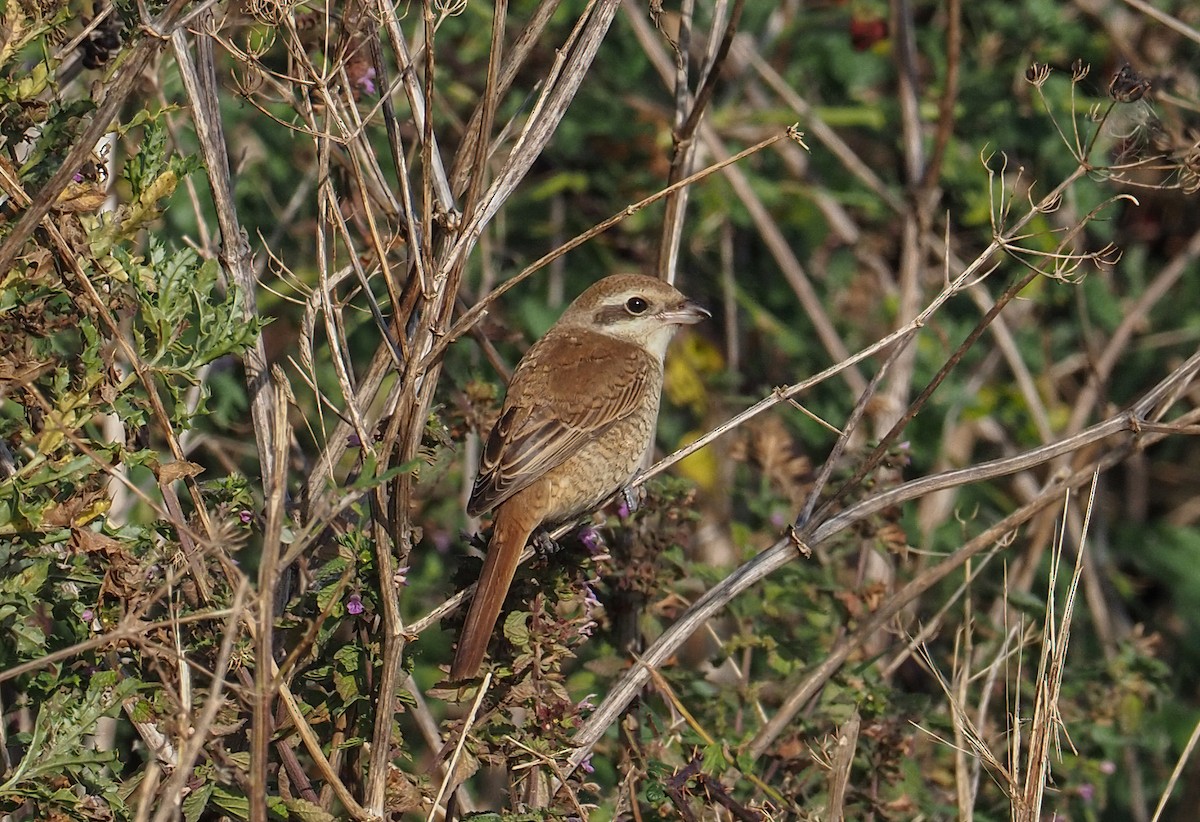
x=578, y=416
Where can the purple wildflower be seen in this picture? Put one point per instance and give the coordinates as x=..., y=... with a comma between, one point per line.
x=590, y=538
x=354, y=605
x=590, y=601
x=367, y=81
x=443, y=541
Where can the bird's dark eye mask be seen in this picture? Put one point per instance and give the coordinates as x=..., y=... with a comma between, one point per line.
x=611, y=314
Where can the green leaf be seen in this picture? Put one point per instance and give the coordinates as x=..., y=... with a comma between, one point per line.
x=234, y=804
x=145, y=166
x=195, y=803
x=57, y=744
x=368, y=479
x=305, y=811
x=715, y=760
x=516, y=628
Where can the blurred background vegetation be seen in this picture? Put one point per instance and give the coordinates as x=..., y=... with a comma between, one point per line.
x=245, y=252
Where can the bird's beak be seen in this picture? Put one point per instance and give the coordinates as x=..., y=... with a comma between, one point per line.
x=686, y=313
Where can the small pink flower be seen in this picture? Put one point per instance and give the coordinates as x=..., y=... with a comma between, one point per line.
x=354, y=605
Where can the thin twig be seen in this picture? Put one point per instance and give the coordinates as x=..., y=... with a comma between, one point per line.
x=201, y=86
x=452, y=765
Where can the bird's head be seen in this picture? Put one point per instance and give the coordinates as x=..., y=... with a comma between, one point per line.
x=634, y=308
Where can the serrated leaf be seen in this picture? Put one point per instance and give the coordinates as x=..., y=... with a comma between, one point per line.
x=714, y=759
x=144, y=167
x=234, y=804
x=306, y=811
x=31, y=578
x=516, y=628
x=141, y=711
x=30, y=640
x=57, y=744
x=195, y=803
x=346, y=686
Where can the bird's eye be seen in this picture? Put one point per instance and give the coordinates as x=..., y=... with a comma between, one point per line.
x=636, y=305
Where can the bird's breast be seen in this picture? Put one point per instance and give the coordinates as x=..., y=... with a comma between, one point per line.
x=600, y=467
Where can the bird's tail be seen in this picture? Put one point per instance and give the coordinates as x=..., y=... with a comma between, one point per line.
x=512, y=528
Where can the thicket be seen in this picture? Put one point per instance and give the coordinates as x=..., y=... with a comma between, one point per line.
x=924, y=544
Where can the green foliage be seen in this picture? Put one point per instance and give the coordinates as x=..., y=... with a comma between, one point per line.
x=58, y=747
x=135, y=512
x=97, y=323
x=19, y=595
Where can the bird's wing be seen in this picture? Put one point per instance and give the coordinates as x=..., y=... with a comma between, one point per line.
x=568, y=390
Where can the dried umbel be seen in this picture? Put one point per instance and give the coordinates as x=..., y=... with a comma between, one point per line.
x=1128, y=86
x=1037, y=74
x=1189, y=169
x=270, y=12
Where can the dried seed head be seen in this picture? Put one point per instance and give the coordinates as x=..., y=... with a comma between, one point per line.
x=1128, y=86
x=1079, y=70
x=1189, y=170
x=1054, y=204
x=1037, y=74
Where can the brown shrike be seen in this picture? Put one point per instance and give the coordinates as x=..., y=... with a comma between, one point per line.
x=579, y=414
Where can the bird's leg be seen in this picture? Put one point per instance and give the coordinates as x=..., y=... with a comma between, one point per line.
x=631, y=499
x=544, y=544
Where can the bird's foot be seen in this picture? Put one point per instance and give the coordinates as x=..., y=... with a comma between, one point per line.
x=544, y=544
x=631, y=500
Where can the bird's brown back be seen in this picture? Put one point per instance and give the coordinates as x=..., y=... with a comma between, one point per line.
x=571, y=388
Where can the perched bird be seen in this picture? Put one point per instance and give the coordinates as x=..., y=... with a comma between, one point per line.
x=579, y=414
